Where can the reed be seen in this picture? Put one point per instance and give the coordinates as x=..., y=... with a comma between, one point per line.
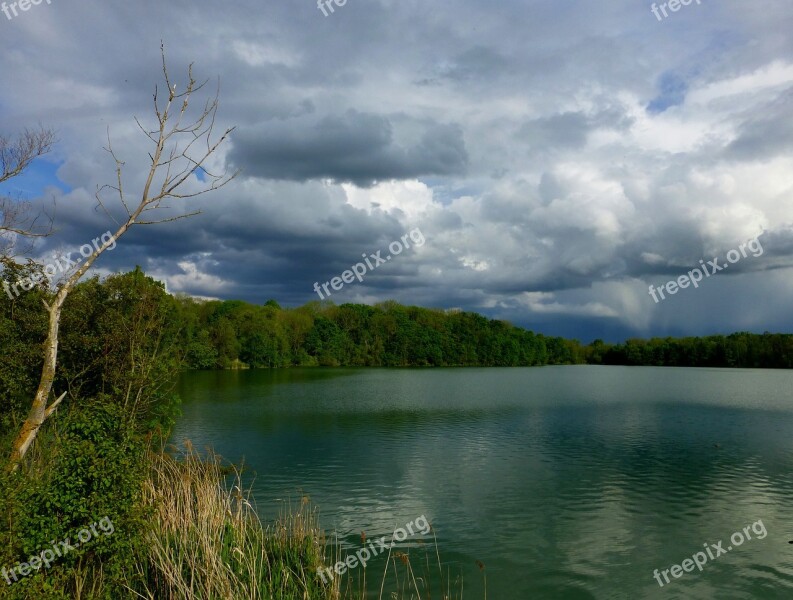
x=206, y=541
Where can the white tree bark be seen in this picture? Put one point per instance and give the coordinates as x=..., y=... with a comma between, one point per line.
x=176, y=162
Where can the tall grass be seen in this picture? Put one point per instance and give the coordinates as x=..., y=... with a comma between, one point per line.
x=416, y=574
x=202, y=540
x=207, y=543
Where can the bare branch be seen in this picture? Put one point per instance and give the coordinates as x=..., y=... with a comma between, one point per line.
x=16, y=215
x=185, y=216
x=17, y=154
x=172, y=164
x=54, y=405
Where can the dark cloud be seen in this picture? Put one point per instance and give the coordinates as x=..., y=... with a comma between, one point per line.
x=568, y=130
x=558, y=159
x=354, y=147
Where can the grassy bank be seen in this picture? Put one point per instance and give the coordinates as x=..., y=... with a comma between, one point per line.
x=155, y=525
x=183, y=527
x=207, y=542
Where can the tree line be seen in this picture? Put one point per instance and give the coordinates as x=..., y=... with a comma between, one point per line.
x=233, y=333
x=741, y=349
x=135, y=311
x=236, y=334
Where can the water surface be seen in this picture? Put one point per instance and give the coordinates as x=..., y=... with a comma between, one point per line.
x=565, y=482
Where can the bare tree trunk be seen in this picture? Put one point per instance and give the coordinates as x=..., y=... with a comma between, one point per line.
x=179, y=164
x=39, y=411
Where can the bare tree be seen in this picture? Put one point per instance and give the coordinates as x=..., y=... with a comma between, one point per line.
x=17, y=154
x=180, y=155
x=16, y=215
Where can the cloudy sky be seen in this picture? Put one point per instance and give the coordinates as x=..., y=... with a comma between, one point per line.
x=558, y=157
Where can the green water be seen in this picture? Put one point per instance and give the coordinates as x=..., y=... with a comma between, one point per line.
x=565, y=482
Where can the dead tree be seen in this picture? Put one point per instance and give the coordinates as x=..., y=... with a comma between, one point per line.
x=16, y=219
x=180, y=154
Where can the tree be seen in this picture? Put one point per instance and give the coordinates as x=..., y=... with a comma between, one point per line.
x=178, y=157
x=125, y=348
x=23, y=326
x=17, y=154
x=16, y=218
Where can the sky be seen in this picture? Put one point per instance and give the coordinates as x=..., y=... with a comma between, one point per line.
x=557, y=157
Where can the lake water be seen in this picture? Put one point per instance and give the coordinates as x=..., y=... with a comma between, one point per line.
x=565, y=482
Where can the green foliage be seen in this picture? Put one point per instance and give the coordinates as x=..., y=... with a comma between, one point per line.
x=735, y=350
x=93, y=469
x=220, y=334
x=201, y=354
x=119, y=356
x=23, y=327
x=122, y=338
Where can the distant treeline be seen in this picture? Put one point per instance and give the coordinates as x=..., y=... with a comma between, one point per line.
x=233, y=333
x=236, y=334
x=769, y=350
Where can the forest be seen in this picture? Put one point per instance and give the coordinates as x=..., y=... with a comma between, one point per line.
x=123, y=341
x=742, y=349
x=232, y=334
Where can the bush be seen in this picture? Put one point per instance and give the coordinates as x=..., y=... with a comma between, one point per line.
x=95, y=472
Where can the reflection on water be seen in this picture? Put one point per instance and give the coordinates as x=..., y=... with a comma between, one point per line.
x=566, y=482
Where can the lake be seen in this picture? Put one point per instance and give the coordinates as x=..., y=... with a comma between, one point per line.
x=573, y=482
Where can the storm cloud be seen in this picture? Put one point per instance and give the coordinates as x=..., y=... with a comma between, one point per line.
x=558, y=158
x=353, y=147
